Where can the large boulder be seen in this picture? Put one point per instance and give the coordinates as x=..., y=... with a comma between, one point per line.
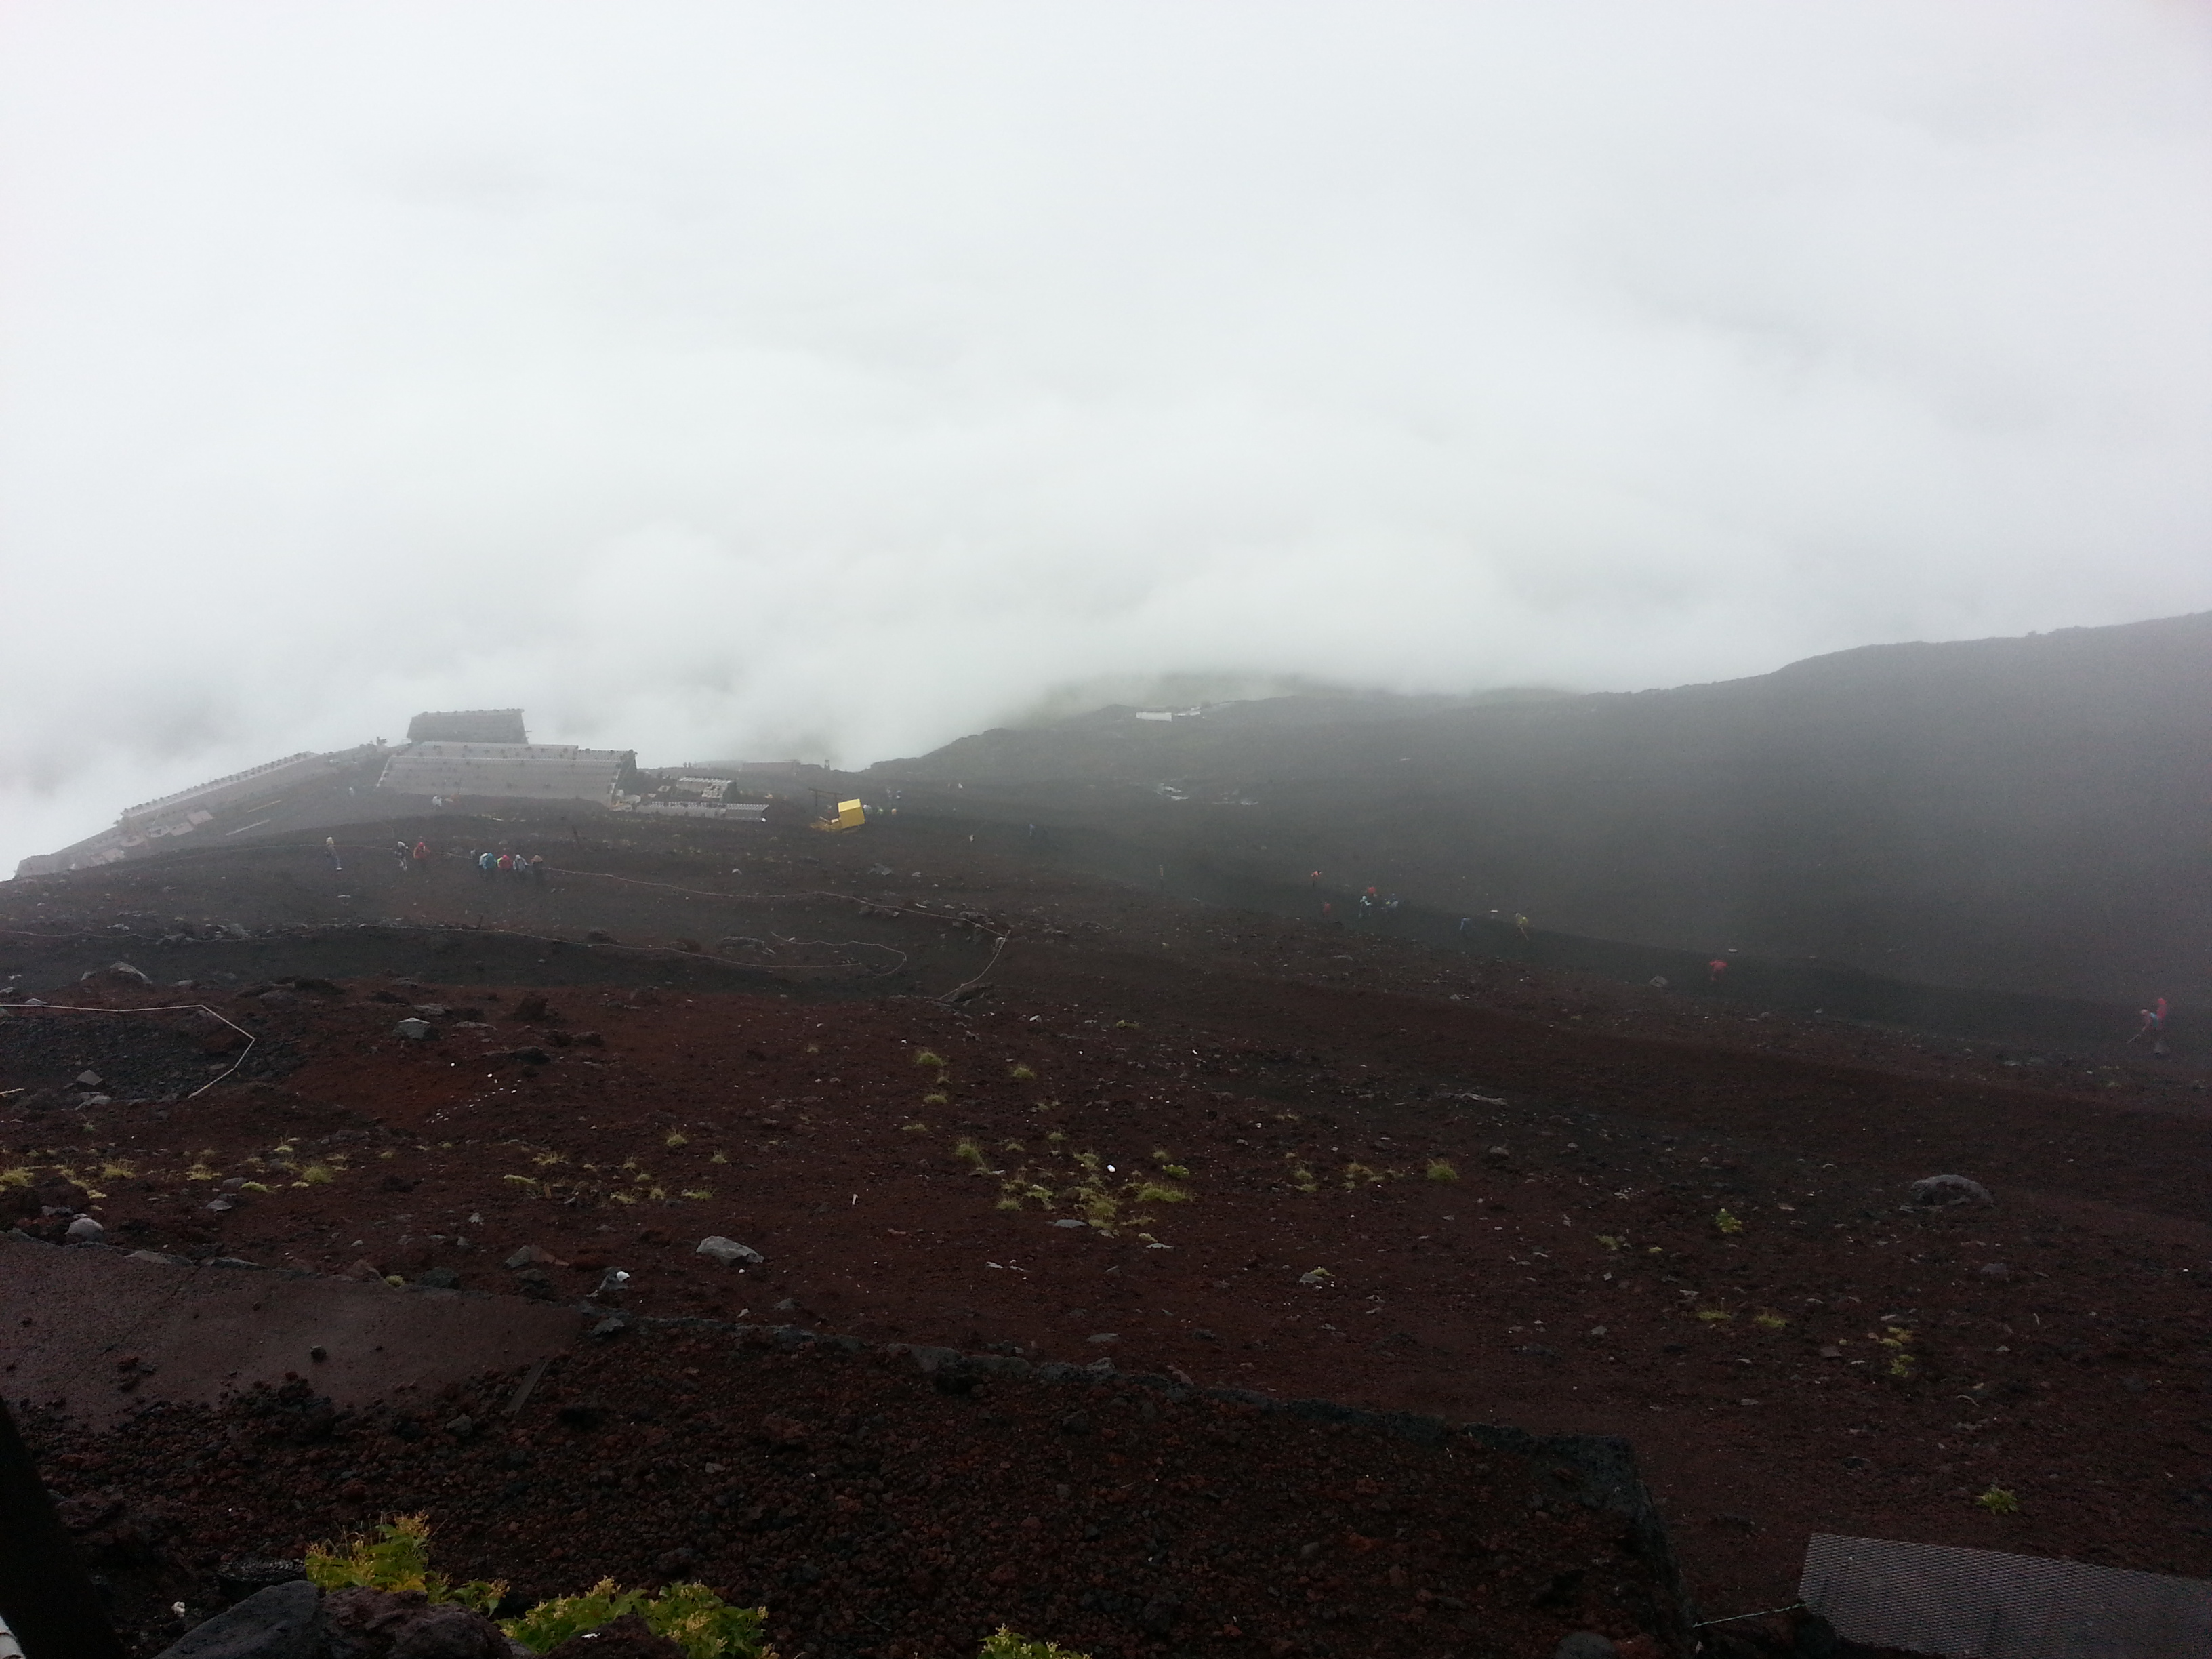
x=282, y=1622
x=728, y=1251
x=368, y=1623
x=1934, y=1191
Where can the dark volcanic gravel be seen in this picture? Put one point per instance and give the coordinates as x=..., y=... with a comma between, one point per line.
x=878, y=1509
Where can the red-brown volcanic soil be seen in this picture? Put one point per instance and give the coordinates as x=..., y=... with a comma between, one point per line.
x=1534, y=1199
x=872, y=1507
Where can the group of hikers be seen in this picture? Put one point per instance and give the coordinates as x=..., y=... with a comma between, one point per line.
x=489, y=864
x=415, y=861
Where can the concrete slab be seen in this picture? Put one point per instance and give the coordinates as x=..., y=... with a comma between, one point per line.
x=68, y=1318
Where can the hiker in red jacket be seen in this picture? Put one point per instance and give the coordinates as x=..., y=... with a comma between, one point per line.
x=1714, y=968
x=421, y=856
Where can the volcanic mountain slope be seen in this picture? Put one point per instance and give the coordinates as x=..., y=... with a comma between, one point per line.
x=1375, y=1172
x=2023, y=814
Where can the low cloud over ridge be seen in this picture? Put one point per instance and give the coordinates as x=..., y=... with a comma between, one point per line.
x=725, y=380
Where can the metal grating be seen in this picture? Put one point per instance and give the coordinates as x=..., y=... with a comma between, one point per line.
x=1983, y=1604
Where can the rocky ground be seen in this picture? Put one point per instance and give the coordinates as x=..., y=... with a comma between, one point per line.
x=1223, y=1149
x=876, y=1508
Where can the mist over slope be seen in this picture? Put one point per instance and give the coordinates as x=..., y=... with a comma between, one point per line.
x=2025, y=814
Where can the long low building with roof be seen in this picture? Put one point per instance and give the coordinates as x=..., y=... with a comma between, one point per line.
x=526, y=771
x=468, y=726
x=152, y=826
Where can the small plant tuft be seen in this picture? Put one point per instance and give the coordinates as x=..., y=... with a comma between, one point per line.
x=677, y=1138
x=1005, y=1644
x=972, y=1155
x=1727, y=1223
x=396, y=1558
x=1441, y=1170
x=399, y=1558
x=1022, y=1074
x=1998, y=1501
x=929, y=1057
x=690, y=1615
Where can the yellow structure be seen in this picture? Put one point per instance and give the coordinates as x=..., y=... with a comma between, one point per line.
x=850, y=815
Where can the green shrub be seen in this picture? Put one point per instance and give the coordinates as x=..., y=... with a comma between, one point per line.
x=690, y=1615
x=1005, y=1644
x=1441, y=1170
x=398, y=1558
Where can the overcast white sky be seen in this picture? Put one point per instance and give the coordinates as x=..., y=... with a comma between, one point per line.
x=731, y=380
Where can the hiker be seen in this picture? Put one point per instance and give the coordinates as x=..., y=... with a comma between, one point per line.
x=2154, y=1026
x=1522, y=922
x=1314, y=880
x=1714, y=968
x=421, y=856
x=1326, y=908
x=505, y=863
x=399, y=851
x=331, y=846
x=537, y=868
x=1391, y=905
